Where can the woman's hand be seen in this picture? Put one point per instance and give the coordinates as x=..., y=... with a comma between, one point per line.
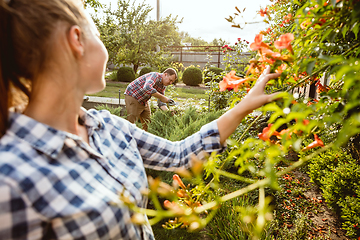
x=256, y=97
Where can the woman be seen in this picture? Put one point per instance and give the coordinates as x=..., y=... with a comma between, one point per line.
x=60, y=165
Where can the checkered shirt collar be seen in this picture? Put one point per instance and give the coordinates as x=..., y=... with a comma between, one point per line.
x=44, y=138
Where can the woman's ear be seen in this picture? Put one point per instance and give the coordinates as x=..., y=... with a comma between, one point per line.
x=76, y=43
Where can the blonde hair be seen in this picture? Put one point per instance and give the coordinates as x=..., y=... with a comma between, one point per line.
x=26, y=28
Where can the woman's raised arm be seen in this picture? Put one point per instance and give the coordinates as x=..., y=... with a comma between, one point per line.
x=228, y=122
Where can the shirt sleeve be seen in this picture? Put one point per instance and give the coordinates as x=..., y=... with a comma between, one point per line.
x=161, y=154
x=18, y=220
x=149, y=84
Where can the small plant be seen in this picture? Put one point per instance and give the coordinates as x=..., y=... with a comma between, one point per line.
x=114, y=111
x=111, y=75
x=125, y=74
x=192, y=76
x=145, y=70
x=211, y=73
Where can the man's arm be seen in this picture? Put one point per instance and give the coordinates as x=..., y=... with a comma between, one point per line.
x=161, y=97
x=162, y=105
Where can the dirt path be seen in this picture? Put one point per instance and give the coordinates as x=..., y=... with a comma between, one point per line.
x=325, y=219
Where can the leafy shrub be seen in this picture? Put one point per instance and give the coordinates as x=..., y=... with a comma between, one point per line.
x=178, y=127
x=340, y=185
x=112, y=110
x=338, y=176
x=192, y=76
x=211, y=73
x=145, y=70
x=324, y=163
x=220, y=100
x=350, y=207
x=112, y=75
x=341, y=189
x=125, y=74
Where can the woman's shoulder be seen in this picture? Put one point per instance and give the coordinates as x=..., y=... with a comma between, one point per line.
x=108, y=120
x=14, y=155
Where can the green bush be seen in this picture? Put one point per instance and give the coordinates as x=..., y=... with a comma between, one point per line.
x=341, y=189
x=145, y=70
x=212, y=73
x=180, y=126
x=325, y=163
x=338, y=176
x=112, y=75
x=112, y=110
x=192, y=76
x=125, y=74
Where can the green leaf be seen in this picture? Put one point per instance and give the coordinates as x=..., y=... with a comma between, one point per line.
x=310, y=66
x=272, y=107
x=345, y=30
x=327, y=32
x=355, y=29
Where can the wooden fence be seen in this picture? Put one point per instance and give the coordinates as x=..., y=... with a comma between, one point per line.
x=202, y=55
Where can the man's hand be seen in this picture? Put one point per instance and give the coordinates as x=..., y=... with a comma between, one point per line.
x=171, y=102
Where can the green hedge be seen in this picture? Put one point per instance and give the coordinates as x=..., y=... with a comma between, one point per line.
x=338, y=176
x=145, y=70
x=192, y=76
x=125, y=74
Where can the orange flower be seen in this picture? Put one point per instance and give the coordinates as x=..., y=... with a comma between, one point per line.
x=281, y=68
x=325, y=4
x=258, y=43
x=251, y=69
x=316, y=143
x=263, y=58
x=305, y=24
x=321, y=88
x=285, y=42
x=287, y=18
x=266, y=133
x=310, y=102
x=267, y=52
x=263, y=12
x=231, y=81
x=167, y=204
x=175, y=207
x=283, y=132
x=178, y=180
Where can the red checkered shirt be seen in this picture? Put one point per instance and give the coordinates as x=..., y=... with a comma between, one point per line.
x=145, y=85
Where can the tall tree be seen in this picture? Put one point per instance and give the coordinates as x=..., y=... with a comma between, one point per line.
x=93, y=3
x=131, y=38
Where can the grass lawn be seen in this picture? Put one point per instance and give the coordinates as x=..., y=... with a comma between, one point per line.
x=112, y=91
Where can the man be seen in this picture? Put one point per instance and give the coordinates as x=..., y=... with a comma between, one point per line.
x=139, y=91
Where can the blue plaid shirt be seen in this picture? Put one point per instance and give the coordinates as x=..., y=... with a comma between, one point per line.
x=53, y=185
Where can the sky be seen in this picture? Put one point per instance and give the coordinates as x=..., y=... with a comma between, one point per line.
x=206, y=18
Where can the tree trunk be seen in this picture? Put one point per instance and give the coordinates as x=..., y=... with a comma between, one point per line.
x=136, y=66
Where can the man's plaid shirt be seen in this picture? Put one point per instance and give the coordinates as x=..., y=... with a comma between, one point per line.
x=142, y=87
x=53, y=185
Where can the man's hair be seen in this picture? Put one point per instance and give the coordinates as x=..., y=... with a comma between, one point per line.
x=171, y=72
